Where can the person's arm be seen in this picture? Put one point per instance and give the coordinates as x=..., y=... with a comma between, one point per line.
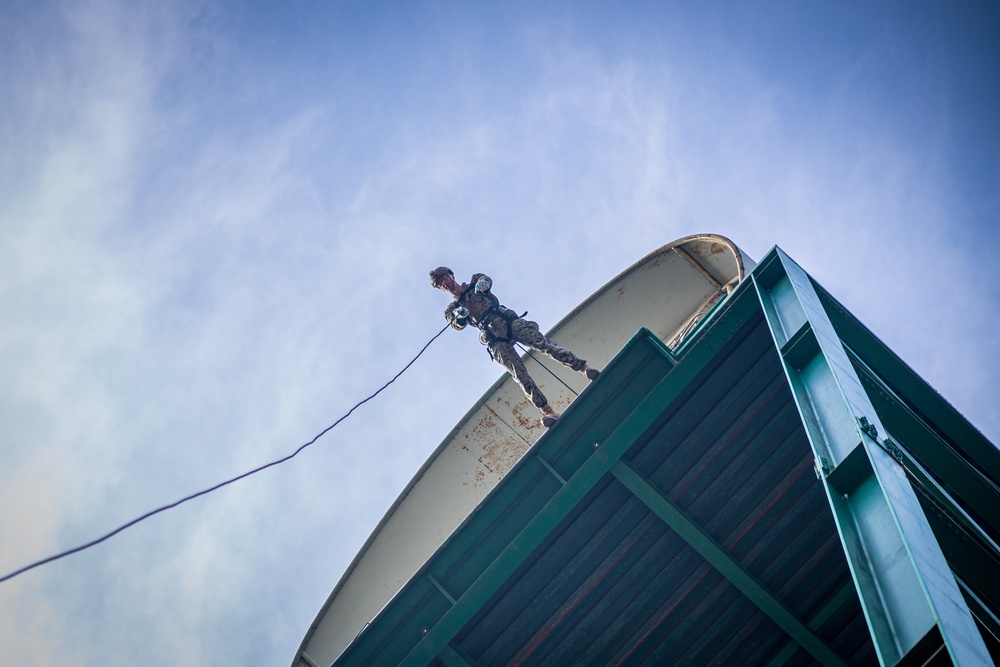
x=482, y=283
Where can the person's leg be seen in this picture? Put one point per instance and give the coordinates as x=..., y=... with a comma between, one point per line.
x=507, y=356
x=525, y=331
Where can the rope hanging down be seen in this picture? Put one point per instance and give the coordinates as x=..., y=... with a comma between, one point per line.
x=203, y=492
x=538, y=360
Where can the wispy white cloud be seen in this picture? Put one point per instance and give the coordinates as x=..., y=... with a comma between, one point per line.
x=187, y=295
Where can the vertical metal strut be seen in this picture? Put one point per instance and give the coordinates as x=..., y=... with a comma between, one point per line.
x=911, y=601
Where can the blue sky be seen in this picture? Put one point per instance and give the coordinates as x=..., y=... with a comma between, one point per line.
x=216, y=222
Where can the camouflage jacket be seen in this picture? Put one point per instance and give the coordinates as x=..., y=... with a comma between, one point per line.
x=485, y=311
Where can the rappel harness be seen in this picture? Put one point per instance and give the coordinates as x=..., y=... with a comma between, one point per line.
x=488, y=338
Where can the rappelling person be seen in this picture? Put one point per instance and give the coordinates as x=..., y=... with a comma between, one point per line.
x=501, y=327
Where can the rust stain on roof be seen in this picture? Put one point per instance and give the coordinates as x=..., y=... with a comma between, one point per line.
x=499, y=447
x=522, y=420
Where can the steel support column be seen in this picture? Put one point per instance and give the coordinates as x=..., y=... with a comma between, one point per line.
x=911, y=601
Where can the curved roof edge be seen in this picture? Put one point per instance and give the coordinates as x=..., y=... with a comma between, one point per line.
x=741, y=261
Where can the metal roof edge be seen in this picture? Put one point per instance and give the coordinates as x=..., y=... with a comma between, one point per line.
x=741, y=261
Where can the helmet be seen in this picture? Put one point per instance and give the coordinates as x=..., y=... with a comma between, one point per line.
x=439, y=273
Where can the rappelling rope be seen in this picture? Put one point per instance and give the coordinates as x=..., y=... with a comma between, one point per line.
x=550, y=372
x=203, y=492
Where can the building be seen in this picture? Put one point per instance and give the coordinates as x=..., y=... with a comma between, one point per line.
x=754, y=479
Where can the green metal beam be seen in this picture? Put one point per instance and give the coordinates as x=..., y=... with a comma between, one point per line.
x=926, y=444
x=717, y=557
x=970, y=552
x=957, y=430
x=910, y=599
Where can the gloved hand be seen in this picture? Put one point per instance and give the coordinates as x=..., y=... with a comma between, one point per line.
x=461, y=312
x=483, y=285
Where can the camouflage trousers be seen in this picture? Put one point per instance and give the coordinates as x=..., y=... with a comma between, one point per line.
x=526, y=332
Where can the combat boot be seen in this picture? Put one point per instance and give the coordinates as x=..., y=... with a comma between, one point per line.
x=549, y=416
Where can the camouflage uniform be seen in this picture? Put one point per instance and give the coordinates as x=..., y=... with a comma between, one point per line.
x=501, y=328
